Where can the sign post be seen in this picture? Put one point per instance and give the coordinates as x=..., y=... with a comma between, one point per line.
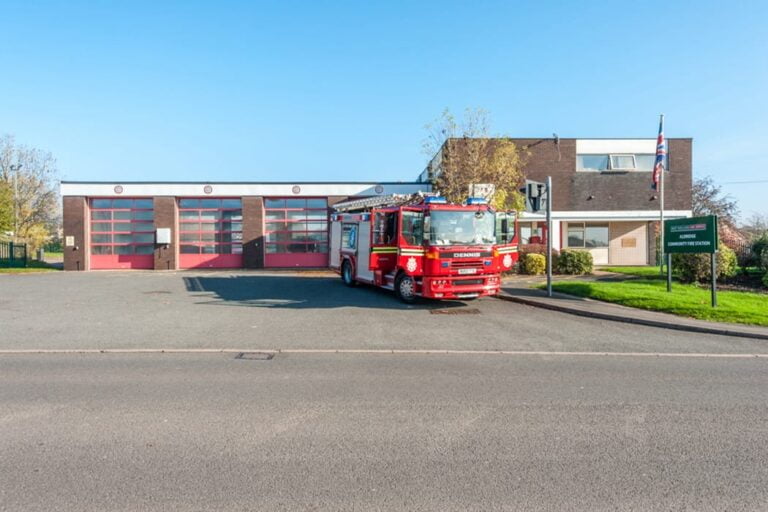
x=538, y=194
x=693, y=235
x=549, y=236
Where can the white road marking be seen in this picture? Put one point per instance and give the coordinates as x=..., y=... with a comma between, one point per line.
x=379, y=352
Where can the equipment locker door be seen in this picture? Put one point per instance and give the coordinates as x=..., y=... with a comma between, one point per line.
x=335, y=254
x=364, y=251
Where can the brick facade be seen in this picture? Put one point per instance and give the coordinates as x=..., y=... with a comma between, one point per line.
x=166, y=216
x=598, y=191
x=253, y=232
x=75, y=215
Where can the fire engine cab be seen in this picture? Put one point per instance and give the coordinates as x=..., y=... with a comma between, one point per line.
x=422, y=246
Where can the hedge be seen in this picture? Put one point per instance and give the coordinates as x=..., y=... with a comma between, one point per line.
x=574, y=262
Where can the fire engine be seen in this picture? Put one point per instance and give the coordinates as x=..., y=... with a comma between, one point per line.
x=422, y=246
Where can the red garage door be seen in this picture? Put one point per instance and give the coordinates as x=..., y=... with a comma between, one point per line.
x=210, y=233
x=296, y=232
x=122, y=233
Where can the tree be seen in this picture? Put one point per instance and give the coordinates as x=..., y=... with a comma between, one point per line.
x=708, y=199
x=6, y=209
x=471, y=156
x=34, y=205
x=756, y=225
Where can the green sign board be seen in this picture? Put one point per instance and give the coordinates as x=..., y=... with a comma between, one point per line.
x=696, y=234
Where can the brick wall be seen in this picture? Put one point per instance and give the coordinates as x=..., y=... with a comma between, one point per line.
x=166, y=216
x=591, y=191
x=75, y=215
x=253, y=232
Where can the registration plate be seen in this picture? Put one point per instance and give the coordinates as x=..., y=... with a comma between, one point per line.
x=465, y=271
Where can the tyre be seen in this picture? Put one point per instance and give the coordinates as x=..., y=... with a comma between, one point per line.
x=347, y=274
x=405, y=288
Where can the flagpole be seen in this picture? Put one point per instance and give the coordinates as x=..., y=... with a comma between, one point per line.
x=661, y=206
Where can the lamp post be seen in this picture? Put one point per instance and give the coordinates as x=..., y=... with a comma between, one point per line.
x=15, y=169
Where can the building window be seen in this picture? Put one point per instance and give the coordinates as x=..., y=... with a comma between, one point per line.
x=122, y=226
x=530, y=232
x=294, y=225
x=210, y=226
x=618, y=162
x=589, y=235
x=623, y=162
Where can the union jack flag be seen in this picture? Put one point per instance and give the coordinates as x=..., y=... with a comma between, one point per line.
x=661, y=150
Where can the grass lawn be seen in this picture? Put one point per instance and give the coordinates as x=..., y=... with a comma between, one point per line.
x=685, y=299
x=32, y=266
x=649, y=272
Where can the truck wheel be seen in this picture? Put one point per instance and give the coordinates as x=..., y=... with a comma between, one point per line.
x=405, y=288
x=347, y=275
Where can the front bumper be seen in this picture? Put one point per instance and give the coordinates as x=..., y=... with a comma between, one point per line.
x=460, y=287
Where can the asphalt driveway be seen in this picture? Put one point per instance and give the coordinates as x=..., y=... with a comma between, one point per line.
x=270, y=310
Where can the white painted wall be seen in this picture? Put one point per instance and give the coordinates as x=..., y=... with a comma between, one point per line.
x=238, y=189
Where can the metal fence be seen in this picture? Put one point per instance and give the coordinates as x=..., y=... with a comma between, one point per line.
x=744, y=254
x=13, y=255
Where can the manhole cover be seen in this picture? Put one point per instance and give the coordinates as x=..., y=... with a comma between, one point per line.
x=455, y=311
x=255, y=356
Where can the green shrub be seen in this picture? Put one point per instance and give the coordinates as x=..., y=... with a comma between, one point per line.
x=533, y=264
x=765, y=280
x=574, y=262
x=537, y=249
x=696, y=267
x=764, y=260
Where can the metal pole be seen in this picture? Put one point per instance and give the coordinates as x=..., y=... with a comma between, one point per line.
x=549, y=236
x=669, y=272
x=714, y=279
x=661, y=206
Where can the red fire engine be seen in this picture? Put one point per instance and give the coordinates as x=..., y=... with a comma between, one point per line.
x=421, y=246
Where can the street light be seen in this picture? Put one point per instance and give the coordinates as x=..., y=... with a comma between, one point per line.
x=15, y=169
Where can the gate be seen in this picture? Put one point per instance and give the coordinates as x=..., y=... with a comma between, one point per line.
x=13, y=255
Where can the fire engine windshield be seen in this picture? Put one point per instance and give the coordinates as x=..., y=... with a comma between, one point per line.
x=449, y=227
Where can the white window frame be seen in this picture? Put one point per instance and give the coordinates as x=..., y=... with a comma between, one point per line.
x=616, y=155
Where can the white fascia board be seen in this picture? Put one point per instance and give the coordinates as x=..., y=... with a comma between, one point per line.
x=625, y=215
x=615, y=146
x=239, y=189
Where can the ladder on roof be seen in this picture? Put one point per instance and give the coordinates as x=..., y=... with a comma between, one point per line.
x=378, y=202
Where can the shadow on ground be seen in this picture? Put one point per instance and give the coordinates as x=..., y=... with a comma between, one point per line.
x=297, y=292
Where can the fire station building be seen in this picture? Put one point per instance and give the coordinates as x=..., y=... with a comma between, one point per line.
x=150, y=225
x=602, y=196
x=602, y=202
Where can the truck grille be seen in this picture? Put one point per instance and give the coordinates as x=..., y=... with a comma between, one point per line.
x=467, y=282
x=467, y=264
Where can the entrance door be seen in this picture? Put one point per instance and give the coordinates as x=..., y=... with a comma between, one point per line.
x=122, y=234
x=210, y=233
x=296, y=232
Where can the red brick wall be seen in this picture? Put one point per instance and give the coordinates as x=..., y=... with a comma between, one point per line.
x=75, y=215
x=166, y=216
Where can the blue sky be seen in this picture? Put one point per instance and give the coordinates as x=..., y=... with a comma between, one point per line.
x=342, y=90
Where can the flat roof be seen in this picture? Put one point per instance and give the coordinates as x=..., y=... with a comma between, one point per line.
x=238, y=188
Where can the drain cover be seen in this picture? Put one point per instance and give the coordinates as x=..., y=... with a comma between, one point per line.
x=255, y=356
x=157, y=292
x=455, y=311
